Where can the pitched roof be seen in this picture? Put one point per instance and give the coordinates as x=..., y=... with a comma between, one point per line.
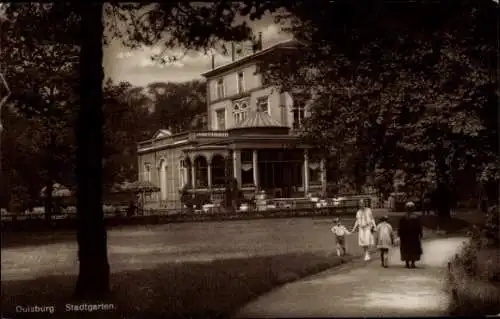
x=258, y=119
x=287, y=44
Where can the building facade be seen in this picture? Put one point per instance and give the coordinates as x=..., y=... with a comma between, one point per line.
x=250, y=137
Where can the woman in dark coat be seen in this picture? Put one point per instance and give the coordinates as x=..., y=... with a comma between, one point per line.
x=410, y=235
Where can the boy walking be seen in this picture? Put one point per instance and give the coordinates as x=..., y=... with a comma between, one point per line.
x=384, y=239
x=340, y=232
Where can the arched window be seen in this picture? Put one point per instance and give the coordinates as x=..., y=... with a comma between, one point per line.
x=244, y=107
x=240, y=110
x=201, y=172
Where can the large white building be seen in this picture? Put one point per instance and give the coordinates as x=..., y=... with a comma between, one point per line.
x=250, y=137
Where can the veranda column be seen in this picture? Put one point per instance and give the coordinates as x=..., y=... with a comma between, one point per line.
x=193, y=175
x=323, y=176
x=237, y=166
x=305, y=182
x=209, y=172
x=255, y=169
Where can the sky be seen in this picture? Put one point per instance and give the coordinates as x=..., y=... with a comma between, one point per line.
x=136, y=67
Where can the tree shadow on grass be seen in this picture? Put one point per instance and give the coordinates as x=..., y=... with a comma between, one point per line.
x=217, y=288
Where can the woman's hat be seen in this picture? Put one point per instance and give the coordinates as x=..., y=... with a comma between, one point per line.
x=384, y=218
x=336, y=220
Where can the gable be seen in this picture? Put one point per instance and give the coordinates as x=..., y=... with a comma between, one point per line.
x=162, y=134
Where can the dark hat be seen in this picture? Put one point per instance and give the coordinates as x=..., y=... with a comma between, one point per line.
x=384, y=218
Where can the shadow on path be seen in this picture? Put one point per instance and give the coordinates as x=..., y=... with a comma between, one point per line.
x=369, y=290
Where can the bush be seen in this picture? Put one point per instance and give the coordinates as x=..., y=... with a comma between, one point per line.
x=474, y=276
x=491, y=230
x=187, y=198
x=201, y=199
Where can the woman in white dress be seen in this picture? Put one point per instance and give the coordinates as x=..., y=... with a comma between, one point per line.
x=365, y=223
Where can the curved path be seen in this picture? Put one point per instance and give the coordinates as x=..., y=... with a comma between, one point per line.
x=366, y=289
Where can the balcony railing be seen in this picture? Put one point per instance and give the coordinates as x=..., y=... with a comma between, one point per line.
x=184, y=136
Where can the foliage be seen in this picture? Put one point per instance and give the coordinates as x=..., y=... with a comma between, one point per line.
x=233, y=195
x=201, y=199
x=181, y=25
x=42, y=74
x=409, y=87
x=176, y=105
x=187, y=198
x=126, y=121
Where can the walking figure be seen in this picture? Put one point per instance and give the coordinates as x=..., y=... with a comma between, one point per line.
x=384, y=238
x=340, y=232
x=366, y=225
x=410, y=233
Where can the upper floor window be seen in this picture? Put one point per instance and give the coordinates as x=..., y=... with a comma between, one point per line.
x=261, y=74
x=220, y=88
x=263, y=104
x=240, y=111
x=220, y=119
x=298, y=111
x=147, y=172
x=241, y=83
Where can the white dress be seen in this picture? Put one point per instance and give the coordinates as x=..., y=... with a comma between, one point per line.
x=365, y=222
x=384, y=235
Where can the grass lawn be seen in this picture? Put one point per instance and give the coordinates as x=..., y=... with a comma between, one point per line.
x=209, y=288
x=217, y=288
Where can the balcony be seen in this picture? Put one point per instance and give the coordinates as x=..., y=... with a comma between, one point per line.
x=180, y=138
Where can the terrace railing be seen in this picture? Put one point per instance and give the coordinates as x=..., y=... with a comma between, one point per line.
x=180, y=137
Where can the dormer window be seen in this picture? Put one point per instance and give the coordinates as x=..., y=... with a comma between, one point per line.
x=220, y=88
x=241, y=83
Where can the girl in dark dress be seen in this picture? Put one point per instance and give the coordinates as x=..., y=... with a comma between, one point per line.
x=410, y=235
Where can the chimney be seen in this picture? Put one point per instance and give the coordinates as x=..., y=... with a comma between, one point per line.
x=213, y=61
x=257, y=46
x=233, y=52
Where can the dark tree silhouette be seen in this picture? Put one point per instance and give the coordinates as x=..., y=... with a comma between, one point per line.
x=93, y=277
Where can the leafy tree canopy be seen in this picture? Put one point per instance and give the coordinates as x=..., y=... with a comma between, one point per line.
x=396, y=86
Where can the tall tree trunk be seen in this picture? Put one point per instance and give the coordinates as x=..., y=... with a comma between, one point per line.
x=442, y=198
x=93, y=278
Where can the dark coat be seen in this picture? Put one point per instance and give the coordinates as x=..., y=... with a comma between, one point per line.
x=410, y=235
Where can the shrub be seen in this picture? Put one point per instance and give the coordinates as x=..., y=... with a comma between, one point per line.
x=491, y=230
x=187, y=198
x=474, y=277
x=232, y=195
x=201, y=199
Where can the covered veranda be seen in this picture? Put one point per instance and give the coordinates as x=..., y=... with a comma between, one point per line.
x=280, y=172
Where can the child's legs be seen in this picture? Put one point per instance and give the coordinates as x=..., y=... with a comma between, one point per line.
x=383, y=254
x=341, y=245
x=339, y=249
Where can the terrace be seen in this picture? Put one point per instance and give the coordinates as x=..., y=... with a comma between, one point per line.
x=180, y=138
